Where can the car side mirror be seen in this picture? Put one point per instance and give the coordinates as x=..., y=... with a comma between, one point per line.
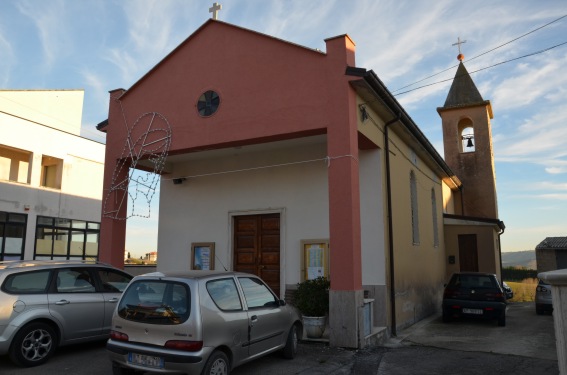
x=282, y=302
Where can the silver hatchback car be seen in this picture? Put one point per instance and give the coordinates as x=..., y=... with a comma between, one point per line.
x=46, y=304
x=543, y=299
x=202, y=322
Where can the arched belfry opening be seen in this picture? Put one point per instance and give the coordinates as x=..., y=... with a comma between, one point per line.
x=466, y=135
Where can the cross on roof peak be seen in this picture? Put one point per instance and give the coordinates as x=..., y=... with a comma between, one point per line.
x=215, y=10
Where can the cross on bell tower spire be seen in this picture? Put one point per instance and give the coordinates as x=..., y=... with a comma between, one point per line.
x=460, y=56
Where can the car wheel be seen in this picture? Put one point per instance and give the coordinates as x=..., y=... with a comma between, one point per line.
x=217, y=364
x=502, y=320
x=33, y=345
x=290, y=348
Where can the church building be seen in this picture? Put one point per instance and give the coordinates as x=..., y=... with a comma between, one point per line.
x=292, y=163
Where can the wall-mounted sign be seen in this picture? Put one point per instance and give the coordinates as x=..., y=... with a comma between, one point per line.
x=203, y=256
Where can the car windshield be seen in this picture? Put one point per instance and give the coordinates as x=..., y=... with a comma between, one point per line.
x=156, y=302
x=473, y=281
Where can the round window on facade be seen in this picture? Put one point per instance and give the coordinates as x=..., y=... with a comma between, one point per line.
x=208, y=103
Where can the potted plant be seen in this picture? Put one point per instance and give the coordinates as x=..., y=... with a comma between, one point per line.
x=312, y=300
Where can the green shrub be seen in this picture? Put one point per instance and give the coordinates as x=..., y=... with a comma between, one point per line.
x=312, y=297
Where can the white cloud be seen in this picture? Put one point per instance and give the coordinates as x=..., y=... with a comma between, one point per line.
x=98, y=84
x=127, y=64
x=540, y=140
x=287, y=19
x=531, y=82
x=152, y=31
x=562, y=197
x=49, y=19
x=7, y=60
x=548, y=185
x=557, y=170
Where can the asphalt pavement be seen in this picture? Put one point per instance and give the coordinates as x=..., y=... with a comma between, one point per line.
x=526, y=346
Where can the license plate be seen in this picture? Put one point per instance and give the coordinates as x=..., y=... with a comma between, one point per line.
x=145, y=360
x=472, y=311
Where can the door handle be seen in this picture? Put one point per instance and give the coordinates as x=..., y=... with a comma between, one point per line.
x=254, y=318
x=113, y=300
x=62, y=302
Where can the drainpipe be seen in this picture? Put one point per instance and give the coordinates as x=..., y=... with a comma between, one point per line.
x=502, y=229
x=390, y=223
x=462, y=200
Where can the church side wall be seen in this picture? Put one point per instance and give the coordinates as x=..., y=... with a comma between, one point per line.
x=419, y=267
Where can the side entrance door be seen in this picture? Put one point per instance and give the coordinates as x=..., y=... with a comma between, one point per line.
x=257, y=247
x=468, y=253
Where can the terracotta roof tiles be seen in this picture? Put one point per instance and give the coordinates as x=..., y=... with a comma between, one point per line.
x=553, y=243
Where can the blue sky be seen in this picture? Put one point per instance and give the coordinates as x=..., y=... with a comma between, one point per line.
x=103, y=45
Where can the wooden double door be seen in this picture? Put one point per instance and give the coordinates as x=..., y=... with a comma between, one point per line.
x=257, y=247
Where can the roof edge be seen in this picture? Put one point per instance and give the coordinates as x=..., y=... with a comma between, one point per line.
x=382, y=92
x=498, y=222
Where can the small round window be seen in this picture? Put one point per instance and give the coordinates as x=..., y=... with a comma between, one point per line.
x=208, y=103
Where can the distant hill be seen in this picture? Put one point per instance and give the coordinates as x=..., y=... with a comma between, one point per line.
x=525, y=259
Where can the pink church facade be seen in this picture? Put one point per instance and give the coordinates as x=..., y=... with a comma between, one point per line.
x=265, y=148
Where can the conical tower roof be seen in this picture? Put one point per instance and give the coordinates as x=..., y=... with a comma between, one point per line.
x=463, y=91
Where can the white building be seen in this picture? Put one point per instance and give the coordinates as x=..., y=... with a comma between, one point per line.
x=50, y=177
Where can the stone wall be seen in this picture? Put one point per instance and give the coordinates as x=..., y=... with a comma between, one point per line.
x=546, y=260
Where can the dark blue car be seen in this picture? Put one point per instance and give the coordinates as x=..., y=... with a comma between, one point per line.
x=476, y=295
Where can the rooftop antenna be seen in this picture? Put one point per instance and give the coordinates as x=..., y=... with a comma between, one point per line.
x=217, y=257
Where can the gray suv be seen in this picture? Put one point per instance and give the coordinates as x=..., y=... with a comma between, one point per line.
x=46, y=304
x=201, y=322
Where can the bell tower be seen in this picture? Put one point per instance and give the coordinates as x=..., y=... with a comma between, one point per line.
x=467, y=140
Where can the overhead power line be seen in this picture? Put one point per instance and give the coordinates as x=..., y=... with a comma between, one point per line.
x=488, y=67
x=482, y=54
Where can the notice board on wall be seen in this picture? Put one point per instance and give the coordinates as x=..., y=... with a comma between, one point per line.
x=315, y=259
